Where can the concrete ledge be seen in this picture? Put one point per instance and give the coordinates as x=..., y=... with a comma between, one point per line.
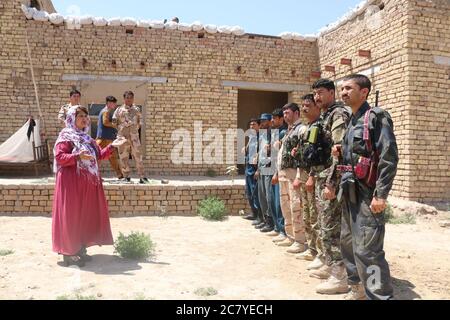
x=277, y=87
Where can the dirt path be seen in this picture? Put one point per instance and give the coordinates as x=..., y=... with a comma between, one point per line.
x=231, y=257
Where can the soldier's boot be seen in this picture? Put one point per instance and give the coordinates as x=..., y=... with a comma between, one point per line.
x=357, y=293
x=336, y=283
x=286, y=243
x=318, y=263
x=323, y=273
x=280, y=238
x=308, y=255
x=296, y=247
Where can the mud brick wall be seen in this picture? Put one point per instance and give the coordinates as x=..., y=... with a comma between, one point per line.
x=195, y=66
x=403, y=40
x=409, y=64
x=127, y=200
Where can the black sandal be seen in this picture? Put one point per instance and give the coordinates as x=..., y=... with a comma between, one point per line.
x=73, y=261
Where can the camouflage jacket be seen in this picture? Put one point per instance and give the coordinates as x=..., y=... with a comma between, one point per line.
x=335, y=121
x=127, y=119
x=290, y=141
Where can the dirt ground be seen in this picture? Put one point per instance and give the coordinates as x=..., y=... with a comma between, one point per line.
x=233, y=258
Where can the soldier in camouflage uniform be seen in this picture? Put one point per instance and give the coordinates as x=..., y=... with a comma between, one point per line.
x=330, y=266
x=75, y=100
x=128, y=120
x=288, y=177
x=369, y=143
x=313, y=158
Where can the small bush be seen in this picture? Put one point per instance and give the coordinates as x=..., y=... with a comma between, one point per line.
x=212, y=209
x=206, y=292
x=6, y=252
x=136, y=246
x=211, y=173
x=403, y=219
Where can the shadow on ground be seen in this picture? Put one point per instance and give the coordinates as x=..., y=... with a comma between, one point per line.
x=114, y=265
x=404, y=290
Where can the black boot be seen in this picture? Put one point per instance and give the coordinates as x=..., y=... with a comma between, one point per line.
x=73, y=261
x=83, y=255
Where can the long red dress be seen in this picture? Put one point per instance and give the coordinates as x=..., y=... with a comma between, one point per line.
x=80, y=210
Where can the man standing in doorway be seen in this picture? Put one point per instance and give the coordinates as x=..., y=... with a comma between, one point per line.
x=251, y=166
x=75, y=100
x=128, y=120
x=106, y=133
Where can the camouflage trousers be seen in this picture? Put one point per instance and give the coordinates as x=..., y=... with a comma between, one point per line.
x=291, y=207
x=330, y=214
x=310, y=216
x=133, y=146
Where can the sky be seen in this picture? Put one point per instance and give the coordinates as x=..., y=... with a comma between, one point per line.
x=268, y=17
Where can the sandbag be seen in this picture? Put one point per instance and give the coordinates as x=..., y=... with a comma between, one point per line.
x=143, y=24
x=41, y=16
x=28, y=11
x=157, y=24
x=171, y=25
x=184, y=27
x=211, y=28
x=114, y=22
x=56, y=18
x=225, y=29
x=86, y=20
x=238, y=31
x=197, y=26
x=99, y=22
x=128, y=22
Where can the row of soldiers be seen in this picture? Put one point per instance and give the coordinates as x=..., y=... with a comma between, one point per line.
x=120, y=125
x=319, y=187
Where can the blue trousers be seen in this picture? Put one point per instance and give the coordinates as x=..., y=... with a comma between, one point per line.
x=277, y=213
x=251, y=188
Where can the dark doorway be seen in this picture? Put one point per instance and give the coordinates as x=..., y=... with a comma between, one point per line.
x=251, y=104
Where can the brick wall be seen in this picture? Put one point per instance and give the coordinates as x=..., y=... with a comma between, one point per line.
x=127, y=200
x=402, y=39
x=194, y=91
x=405, y=40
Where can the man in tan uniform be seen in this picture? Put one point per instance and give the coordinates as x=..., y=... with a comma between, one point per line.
x=288, y=176
x=128, y=120
x=75, y=100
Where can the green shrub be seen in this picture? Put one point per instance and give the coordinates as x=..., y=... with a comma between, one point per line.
x=6, y=252
x=206, y=292
x=212, y=208
x=136, y=246
x=211, y=173
x=403, y=219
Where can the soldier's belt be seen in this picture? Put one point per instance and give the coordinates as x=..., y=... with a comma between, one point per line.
x=345, y=168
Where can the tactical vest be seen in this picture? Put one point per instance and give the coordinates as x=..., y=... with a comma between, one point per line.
x=315, y=147
x=289, y=143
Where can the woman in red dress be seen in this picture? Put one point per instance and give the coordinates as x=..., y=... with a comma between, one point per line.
x=80, y=210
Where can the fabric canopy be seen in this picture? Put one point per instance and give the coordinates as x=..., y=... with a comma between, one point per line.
x=18, y=149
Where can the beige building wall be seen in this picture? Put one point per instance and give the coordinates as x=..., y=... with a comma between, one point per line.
x=403, y=39
x=187, y=76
